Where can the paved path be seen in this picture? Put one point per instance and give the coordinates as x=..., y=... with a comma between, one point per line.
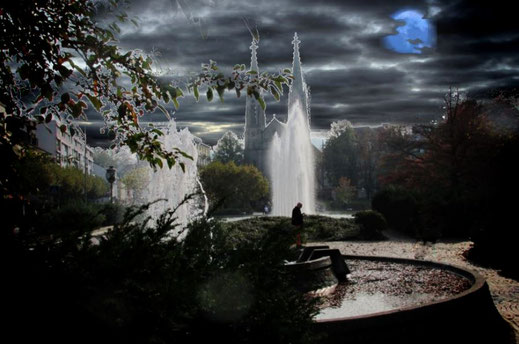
x=505, y=291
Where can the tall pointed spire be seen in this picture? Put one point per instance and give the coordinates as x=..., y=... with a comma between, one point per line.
x=254, y=58
x=296, y=60
x=298, y=89
x=254, y=115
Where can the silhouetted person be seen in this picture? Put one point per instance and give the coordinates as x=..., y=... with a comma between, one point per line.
x=297, y=221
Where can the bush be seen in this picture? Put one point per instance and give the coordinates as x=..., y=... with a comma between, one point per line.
x=139, y=284
x=372, y=223
x=74, y=217
x=323, y=228
x=113, y=213
x=400, y=208
x=316, y=228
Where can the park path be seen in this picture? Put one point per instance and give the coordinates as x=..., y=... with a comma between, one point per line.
x=505, y=291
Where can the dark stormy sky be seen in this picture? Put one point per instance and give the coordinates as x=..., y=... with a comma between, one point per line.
x=352, y=73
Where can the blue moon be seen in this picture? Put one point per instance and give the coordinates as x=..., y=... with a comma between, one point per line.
x=414, y=35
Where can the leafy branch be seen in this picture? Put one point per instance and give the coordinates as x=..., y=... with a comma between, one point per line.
x=56, y=62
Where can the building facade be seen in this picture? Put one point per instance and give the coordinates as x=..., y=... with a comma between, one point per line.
x=68, y=150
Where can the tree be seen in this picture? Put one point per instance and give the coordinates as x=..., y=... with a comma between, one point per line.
x=136, y=180
x=339, y=127
x=449, y=165
x=229, y=148
x=368, y=151
x=339, y=153
x=103, y=158
x=345, y=192
x=231, y=186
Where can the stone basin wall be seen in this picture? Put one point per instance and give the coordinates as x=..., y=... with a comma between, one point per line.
x=468, y=317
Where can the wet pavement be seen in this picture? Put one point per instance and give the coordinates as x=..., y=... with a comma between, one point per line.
x=505, y=291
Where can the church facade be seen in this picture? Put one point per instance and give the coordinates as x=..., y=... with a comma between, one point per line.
x=258, y=133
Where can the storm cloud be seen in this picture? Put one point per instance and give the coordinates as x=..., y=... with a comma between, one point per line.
x=351, y=74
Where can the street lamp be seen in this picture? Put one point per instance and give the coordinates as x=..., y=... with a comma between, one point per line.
x=110, y=176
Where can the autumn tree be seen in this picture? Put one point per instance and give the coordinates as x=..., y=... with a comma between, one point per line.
x=447, y=163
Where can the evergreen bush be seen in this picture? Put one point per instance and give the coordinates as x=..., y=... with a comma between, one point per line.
x=141, y=283
x=400, y=208
x=372, y=223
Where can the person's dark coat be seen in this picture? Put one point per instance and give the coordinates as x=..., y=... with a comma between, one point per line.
x=297, y=217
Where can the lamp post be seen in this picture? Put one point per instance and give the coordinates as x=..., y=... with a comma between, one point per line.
x=110, y=176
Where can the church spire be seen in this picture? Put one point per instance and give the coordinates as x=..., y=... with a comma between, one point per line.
x=298, y=89
x=254, y=114
x=296, y=60
x=254, y=58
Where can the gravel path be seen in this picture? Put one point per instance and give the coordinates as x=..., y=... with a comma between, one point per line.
x=505, y=291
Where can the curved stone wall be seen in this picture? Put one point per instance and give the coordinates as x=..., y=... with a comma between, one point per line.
x=468, y=317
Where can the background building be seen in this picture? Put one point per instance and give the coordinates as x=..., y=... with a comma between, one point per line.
x=68, y=150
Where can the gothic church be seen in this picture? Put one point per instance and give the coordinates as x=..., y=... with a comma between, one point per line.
x=258, y=133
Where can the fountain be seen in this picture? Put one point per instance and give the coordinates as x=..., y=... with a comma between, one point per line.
x=170, y=186
x=291, y=158
x=395, y=300
x=372, y=299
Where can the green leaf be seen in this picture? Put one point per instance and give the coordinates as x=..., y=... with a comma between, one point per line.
x=77, y=110
x=95, y=101
x=262, y=103
x=76, y=67
x=260, y=100
x=279, y=86
x=209, y=94
x=281, y=79
x=163, y=109
x=158, y=161
x=165, y=96
x=182, y=166
x=147, y=64
x=220, y=90
x=175, y=102
x=274, y=92
x=196, y=93
x=252, y=72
